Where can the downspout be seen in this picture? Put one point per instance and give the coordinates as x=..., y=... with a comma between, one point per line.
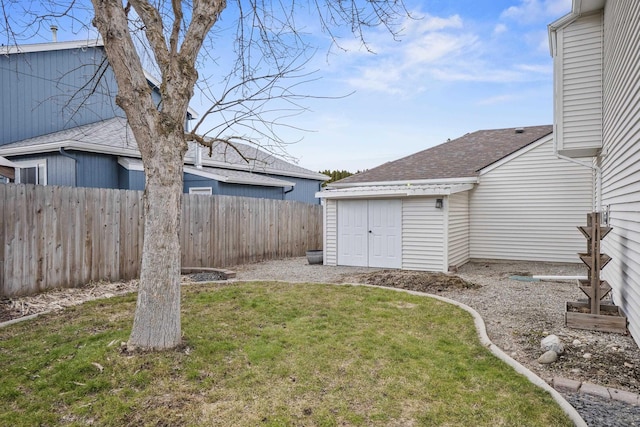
x=284, y=194
x=75, y=169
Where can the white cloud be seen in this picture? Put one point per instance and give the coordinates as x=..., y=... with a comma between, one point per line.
x=535, y=10
x=477, y=73
x=378, y=79
x=443, y=49
x=498, y=99
x=536, y=68
x=437, y=46
x=398, y=68
x=499, y=29
x=435, y=23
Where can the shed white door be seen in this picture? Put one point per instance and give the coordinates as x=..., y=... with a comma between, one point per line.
x=370, y=233
x=353, y=233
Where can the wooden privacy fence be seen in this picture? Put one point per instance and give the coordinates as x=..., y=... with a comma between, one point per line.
x=53, y=237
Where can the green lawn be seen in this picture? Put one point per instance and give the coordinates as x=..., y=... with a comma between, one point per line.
x=267, y=354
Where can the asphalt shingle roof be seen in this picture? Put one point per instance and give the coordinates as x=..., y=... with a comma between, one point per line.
x=115, y=134
x=460, y=158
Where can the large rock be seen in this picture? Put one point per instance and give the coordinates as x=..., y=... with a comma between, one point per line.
x=548, y=358
x=552, y=342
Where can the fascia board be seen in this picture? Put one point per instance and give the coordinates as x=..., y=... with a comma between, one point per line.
x=360, y=194
x=461, y=188
x=578, y=8
x=446, y=181
x=131, y=164
x=210, y=175
x=282, y=184
x=408, y=192
x=7, y=163
x=51, y=46
x=69, y=145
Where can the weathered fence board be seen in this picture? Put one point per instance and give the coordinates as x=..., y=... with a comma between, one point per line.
x=64, y=236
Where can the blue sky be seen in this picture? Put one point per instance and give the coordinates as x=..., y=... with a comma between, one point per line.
x=465, y=65
x=460, y=66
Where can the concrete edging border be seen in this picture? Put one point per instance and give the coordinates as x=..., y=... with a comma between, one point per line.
x=21, y=319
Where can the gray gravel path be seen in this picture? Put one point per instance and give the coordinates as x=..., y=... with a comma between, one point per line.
x=599, y=412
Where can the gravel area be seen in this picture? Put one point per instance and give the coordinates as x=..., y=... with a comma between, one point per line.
x=517, y=314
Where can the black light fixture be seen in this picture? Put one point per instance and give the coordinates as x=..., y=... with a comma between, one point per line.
x=438, y=203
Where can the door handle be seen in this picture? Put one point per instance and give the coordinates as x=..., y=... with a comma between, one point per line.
x=370, y=231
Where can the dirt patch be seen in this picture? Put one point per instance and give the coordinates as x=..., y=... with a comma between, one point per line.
x=412, y=280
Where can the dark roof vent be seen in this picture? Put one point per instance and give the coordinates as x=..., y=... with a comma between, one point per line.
x=519, y=130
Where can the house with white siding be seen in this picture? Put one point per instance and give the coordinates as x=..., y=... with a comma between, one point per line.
x=498, y=194
x=596, y=52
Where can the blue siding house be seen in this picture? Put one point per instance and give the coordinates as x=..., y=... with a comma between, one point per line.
x=59, y=125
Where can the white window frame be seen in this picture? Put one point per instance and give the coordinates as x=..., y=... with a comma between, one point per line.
x=202, y=191
x=41, y=170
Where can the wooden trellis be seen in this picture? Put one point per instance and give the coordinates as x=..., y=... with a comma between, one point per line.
x=594, y=313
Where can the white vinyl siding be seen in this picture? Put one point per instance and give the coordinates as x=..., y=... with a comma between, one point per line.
x=458, y=229
x=331, y=232
x=423, y=235
x=578, y=87
x=621, y=164
x=528, y=208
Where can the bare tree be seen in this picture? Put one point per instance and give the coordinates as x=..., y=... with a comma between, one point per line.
x=268, y=37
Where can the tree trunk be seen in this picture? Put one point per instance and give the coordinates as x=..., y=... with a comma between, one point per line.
x=157, y=319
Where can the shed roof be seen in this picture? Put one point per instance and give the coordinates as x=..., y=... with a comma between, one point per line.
x=463, y=157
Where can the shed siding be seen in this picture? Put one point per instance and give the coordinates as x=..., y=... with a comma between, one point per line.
x=458, y=229
x=621, y=164
x=578, y=80
x=331, y=232
x=423, y=235
x=528, y=208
